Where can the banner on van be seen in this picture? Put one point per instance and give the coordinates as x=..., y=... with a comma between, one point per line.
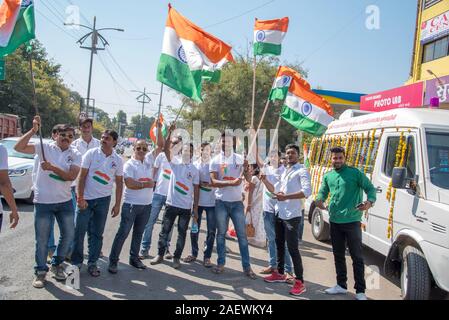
x=410, y=96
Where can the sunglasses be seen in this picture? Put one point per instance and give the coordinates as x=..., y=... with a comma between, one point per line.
x=66, y=135
x=141, y=149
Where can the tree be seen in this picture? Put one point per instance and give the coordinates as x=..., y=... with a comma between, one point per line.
x=227, y=105
x=147, y=123
x=55, y=101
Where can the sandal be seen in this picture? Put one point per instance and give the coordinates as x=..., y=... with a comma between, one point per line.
x=190, y=259
x=218, y=270
x=250, y=274
x=94, y=271
x=207, y=263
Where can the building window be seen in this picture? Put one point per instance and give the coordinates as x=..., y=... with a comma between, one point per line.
x=428, y=3
x=436, y=49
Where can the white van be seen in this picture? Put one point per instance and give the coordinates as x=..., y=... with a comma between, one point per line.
x=418, y=249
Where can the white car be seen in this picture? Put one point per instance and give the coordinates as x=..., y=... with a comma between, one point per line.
x=20, y=169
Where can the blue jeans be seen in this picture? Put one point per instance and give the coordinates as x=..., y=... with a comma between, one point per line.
x=44, y=215
x=211, y=231
x=91, y=220
x=235, y=211
x=269, y=223
x=133, y=217
x=156, y=207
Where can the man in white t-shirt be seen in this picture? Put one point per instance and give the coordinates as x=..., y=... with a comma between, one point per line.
x=206, y=204
x=100, y=168
x=162, y=172
x=59, y=166
x=228, y=170
x=7, y=191
x=183, y=195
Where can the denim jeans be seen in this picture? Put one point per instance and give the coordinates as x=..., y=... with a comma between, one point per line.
x=91, y=220
x=269, y=219
x=170, y=216
x=132, y=217
x=44, y=215
x=51, y=245
x=287, y=231
x=211, y=231
x=156, y=207
x=350, y=234
x=234, y=210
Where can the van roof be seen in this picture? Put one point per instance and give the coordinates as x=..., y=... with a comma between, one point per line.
x=397, y=118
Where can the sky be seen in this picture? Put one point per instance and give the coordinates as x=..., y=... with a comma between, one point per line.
x=329, y=38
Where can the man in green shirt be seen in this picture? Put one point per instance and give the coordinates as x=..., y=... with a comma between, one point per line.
x=346, y=186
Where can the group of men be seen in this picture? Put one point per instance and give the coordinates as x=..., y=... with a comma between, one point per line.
x=74, y=183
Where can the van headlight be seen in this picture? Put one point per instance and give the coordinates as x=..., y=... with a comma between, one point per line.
x=18, y=172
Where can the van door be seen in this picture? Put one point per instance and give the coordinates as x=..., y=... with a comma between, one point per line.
x=405, y=202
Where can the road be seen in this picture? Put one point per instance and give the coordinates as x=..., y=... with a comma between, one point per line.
x=164, y=282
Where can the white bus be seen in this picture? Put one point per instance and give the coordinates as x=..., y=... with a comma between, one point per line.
x=405, y=153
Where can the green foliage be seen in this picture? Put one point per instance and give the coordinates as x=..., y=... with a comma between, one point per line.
x=227, y=105
x=136, y=125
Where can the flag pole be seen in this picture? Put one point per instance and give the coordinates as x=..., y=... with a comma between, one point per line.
x=36, y=109
x=253, y=104
x=159, y=108
x=179, y=112
x=276, y=132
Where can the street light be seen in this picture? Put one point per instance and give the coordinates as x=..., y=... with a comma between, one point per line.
x=95, y=35
x=145, y=100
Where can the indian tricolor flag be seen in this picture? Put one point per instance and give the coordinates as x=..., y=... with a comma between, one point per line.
x=306, y=110
x=268, y=36
x=189, y=56
x=101, y=178
x=153, y=130
x=16, y=24
x=283, y=81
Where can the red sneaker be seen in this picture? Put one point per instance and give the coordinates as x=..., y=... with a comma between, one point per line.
x=298, y=288
x=275, y=277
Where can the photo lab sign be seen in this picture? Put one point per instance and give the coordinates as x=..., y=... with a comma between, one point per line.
x=435, y=28
x=404, y=97
x=437, y=88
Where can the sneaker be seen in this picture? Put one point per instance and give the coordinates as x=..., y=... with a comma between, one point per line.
x=336, y=290
x=157, y=260
x=113, y=268
x=361, y=297
x=168, y=255
x=276, y=277
x=137, y=264
x=176, y=263
x=39, y=280
x=298, y=288
x=144, y=255
x=59, y=272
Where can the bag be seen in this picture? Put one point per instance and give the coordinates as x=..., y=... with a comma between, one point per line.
x=250, y=231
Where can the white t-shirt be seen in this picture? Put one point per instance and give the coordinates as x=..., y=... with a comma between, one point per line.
x=293, y=180
x=49, y=187
x=102, y=173
x=164, y=174
x=82, y=147
x=228, y=169
x=273, y=177
x=3, y=166
x=141, y=172
x=207, y=195
x=181, y=187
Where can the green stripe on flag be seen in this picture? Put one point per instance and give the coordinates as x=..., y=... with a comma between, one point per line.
x=56, y=177
x=103, y=182
x=263, y=48
x=179, y=77
x=278, y=94
x=23, y=32
x=180, y=191
x=302, y=123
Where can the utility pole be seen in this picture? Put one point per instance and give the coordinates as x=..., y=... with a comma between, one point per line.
x=95, y=35
x=145, y=99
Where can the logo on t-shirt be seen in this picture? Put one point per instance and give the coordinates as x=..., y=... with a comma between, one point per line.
x=101, y=178
x=113, y=165
x=70, y=160
x=190, y=176
x=181, y=188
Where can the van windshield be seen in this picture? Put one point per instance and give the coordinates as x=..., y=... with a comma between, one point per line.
x=438, y=153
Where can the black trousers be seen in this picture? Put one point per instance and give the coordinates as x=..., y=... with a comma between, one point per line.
x=350, y=234
x=170, y=216
x=287, y=231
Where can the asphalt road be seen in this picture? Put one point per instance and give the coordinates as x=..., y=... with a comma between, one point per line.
x=164, y=282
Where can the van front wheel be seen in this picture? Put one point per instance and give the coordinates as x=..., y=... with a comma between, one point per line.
x=415, y=275
x=320, y=229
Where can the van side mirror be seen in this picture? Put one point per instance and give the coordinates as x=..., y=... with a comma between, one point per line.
x=399, y=178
